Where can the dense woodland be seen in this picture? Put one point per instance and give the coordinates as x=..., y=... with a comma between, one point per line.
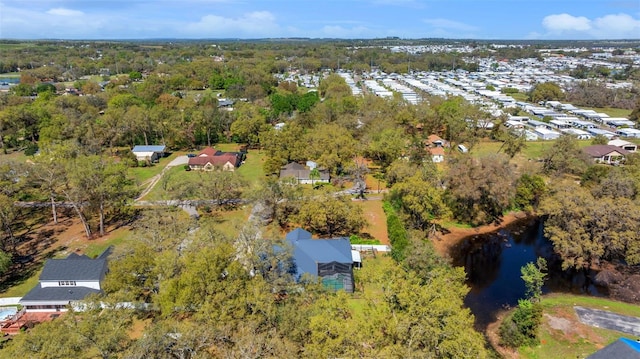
x=218, y=296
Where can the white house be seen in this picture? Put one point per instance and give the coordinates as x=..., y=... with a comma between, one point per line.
x=546, y=134
x=65, y=281
x=628, y=132
x=577, y=133
x=625, y=145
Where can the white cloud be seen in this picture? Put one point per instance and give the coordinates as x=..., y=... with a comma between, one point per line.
x=258, y=24
x=64, y=12
x=566, y=22
x=620, y=25
x=449, y=25
x=614, y=26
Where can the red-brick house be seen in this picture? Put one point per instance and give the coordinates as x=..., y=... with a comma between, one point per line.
x=210, y=159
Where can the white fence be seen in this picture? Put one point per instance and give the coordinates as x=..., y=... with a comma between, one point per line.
x=370, y=247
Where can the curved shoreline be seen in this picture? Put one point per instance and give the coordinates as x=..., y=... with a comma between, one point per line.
x=445, y=242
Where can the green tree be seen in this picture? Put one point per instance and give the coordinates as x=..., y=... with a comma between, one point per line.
x=314, y=175
x=565, y=156
x=480, y=190
x=586, y=230
x=533, y=276
x=546, y=91
x=529, y=191
x=521, y=327
x=328, y=215
x=421, y=200
x=5, y=262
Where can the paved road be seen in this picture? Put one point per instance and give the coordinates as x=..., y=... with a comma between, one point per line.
x=608, y=320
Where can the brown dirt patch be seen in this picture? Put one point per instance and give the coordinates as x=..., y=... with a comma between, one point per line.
x=376, y=220
x=445, y=241
x=66, y=236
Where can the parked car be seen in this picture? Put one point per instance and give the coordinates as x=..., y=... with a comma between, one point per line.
x=191, y=155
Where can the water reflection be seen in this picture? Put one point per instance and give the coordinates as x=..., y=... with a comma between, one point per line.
x=493, y=263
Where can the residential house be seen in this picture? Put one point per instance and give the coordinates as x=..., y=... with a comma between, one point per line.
x=331, y=260
x=65, y=281
x=149, y=153
x=437, y=154
x=302, y=174
x=628, y=132
x=546, y=134
x=435, y=146
x=577, y=133
x=625, y=145
x=606, y=153
x=621, y=348
x=210, y=159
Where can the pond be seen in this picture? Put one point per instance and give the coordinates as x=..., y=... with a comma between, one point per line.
x=493, y=261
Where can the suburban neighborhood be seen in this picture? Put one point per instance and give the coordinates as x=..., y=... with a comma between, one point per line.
x=319, y=198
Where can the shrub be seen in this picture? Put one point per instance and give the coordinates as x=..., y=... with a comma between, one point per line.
x=398, y=236
x=521, y=328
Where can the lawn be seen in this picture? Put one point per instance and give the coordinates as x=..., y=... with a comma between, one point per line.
x=143, y=174
x=612, y=112
x=97, y=246
x=252, y=168
x=23, y=287
x=227, y=222
x=563, y=336
x=532, y=150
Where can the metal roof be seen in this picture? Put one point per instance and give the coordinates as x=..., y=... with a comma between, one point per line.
x=621, y=348
x=38, y=295
x=153, y=148
x=74, y=268
x=308, y=252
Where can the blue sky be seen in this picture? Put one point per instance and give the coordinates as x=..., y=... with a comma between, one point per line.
x=246, y=19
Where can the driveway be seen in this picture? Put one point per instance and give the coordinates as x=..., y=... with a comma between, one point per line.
x=608, y=320
x=178, y=161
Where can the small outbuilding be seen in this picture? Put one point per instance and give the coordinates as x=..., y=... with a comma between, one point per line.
x=149, y=153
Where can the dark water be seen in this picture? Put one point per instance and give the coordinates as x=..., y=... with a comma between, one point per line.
x=493, y=263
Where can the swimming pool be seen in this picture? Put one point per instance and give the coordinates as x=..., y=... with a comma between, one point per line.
x=7, y=312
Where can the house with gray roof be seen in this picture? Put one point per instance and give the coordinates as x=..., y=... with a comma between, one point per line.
x=621, y=348
x=302, y=174
x=65, y=281
x=328, y=259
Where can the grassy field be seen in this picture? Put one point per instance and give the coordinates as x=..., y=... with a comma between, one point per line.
x=143, y=174
x=612, y=112
x=22, y=288
x=563, y=336
x=532, y=149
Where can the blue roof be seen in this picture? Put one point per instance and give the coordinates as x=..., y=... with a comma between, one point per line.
x=634, y=344
x=298, y=234
x=308, y=252
x=154, y=148
x=621, y=348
